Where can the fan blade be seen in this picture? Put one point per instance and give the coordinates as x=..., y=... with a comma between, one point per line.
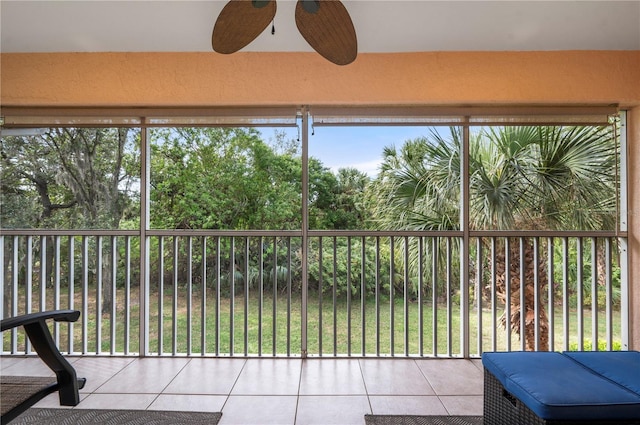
x=327, y=27
x=240, y=22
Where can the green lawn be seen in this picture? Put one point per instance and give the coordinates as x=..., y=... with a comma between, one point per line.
x=344, y=330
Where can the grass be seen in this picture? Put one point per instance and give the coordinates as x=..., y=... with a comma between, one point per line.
x=254, y=329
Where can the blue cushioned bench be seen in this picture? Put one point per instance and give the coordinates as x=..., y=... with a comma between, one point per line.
x=621, y=367
x=562, y=388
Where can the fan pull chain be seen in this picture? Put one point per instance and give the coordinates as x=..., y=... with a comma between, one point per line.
x=273, y=27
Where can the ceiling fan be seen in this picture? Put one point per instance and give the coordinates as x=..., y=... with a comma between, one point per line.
x=324, y=24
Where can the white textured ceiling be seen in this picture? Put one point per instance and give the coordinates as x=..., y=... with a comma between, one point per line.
x=381, y=26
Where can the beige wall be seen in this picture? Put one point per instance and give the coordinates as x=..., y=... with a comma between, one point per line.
x=428, y=78
x=209, y=79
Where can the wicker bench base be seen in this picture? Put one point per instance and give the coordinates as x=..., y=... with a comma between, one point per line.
x=501, y=408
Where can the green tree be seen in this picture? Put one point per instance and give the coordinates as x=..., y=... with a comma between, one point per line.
x=418, y=187
x=352, y=185
x=221, y=178
x=336, y=200
x=520, y=178
x=71, y=178
x=229, y=178
x=30, y=194
x=543, y=177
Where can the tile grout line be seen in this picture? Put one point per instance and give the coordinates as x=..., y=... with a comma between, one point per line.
x=95, y=390
x=440, y=397
x=423, y=373
x=366, y=390
x=234, y=385
x=426, y=378
x=169, y=383
x=295, y=415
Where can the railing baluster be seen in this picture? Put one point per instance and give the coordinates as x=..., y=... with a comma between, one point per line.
x=434, y=293
x=580, y=293
x=189, y=295
x=420, y=299
x=536, y=292
x=260, y=294
x=29, y=286
x=232, y=296
x=507, y=291
x=478, y=293
x=71, y=299
x=335, y=296
x=218, y=301
x=551, y=292
x=127, y=295
x=392, y=272
x=274, y=301
x=320, y=288
x=363, y=296
x=246, y=296
x=494, y=297
x=289, y=287
x=56, y=287
x=114, y=276
x=161, y=296
x=377, y=295
x=565, y=292
x=29, y=281
x=85, y=294
x=449, y=300
x=99, y=299
x=523, y=305
x=406, y=296
x=609, y=295
x=594, y=294
x=203, y=298
x=15, y=267
x=43, y=273
x=174, y=303
x=349, y=295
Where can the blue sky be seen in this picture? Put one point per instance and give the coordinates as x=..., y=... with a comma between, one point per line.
x=357, y=147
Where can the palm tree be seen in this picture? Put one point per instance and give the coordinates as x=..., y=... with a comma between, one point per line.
x=554, y=178
x=418, y=187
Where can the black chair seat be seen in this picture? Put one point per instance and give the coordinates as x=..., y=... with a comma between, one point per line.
x=18, y=393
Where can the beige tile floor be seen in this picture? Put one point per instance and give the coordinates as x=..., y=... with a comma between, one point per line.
x=273, y=390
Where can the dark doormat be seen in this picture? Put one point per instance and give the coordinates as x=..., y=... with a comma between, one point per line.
x=421, y=420
x=114, y=417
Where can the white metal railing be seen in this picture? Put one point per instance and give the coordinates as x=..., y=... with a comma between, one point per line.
x=239, y=293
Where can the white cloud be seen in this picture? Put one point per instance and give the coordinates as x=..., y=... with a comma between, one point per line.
x=371, y=168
